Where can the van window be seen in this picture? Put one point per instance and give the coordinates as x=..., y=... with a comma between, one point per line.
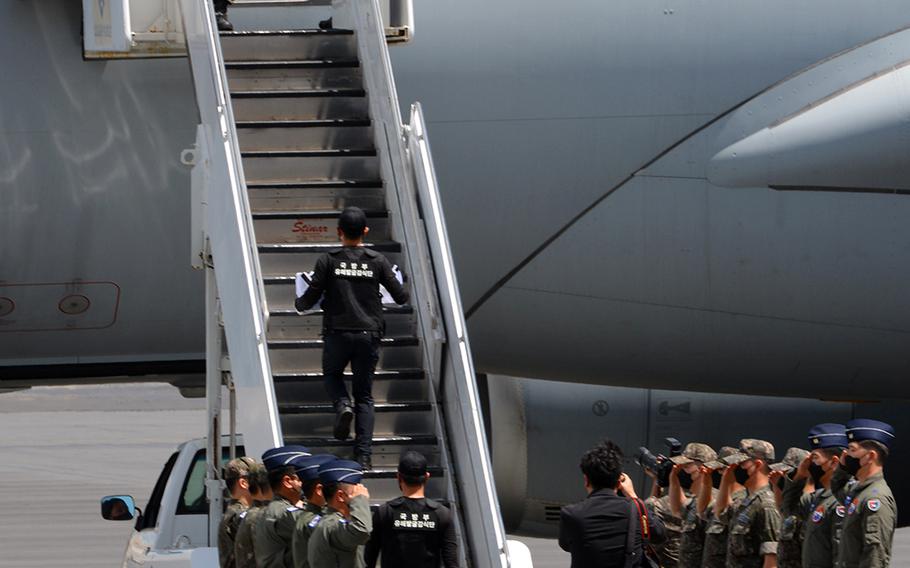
x=192, y=497
x=149, y=517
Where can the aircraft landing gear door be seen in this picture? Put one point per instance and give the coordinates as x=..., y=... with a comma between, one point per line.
x=123, y=29
x=398, y=16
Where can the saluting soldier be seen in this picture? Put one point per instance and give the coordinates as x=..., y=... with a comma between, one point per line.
x=790, y=546
x=275, y=529
x=754, y=526
x=687, y=480
x=818, y=509
x=309, y=517
x=244, y=554
x=715, y=547
x=337, y=539
x=237, y=478
x=871, y=515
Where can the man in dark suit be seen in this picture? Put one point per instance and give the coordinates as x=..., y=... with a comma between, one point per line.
x=597, y=531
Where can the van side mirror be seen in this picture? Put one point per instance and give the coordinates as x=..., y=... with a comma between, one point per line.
x=118, y=508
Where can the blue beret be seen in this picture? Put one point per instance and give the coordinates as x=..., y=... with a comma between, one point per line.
x=828, y=436
x=280, y=457
x=340, y=471
x=862, y=429
x=308, y=466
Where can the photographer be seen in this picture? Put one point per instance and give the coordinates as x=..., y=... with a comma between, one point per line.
x=659, y=469
x=606, y=528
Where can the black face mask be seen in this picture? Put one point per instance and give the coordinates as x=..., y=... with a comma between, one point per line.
x=851, y=464
x=816, y=473
x=741, y=475
x=685, y=480
x=716, y=477
x=780, y=483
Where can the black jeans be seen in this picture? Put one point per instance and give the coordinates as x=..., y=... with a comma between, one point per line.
x=361, y=350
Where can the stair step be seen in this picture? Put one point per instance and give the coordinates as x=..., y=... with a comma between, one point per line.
x=379, y=407
x=378, y=441
x=296, y=93
x=294, y=75
x=317, y=184
x=308, y=227
x=304, y=248
x=292, y=64
x=305, y=123
x=291, y=312
x=313, y=44
x=392, y=472
x=334, y=152
x=272, y=169
x=317, y=214
x=318, y=377
x=285, y=263
x=385, y=342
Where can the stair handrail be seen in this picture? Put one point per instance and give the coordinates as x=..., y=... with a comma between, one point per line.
x=466, y=403
x=229, y=229
x=477, y=499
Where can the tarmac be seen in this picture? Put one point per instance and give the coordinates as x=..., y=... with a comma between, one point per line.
x=65, y=447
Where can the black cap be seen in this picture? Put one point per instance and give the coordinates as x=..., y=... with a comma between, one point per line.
x=412, y=464
x=352, y=222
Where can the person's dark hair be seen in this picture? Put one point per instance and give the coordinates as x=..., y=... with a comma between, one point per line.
x=259, y=479
x=352, y=222
x=309, y=488
x=602, y=464
x=232, y=482
x=831, y=452
x=277, y=475
x=329, y=490
x=413, y=480
x=881, y=449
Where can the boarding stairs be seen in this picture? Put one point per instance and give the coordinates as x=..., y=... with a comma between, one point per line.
x=308, y=122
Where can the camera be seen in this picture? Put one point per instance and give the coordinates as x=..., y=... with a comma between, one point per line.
x=660, y=465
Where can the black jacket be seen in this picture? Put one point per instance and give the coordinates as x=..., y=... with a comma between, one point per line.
x=350, y=278
x=412, y=533
x=595, y=530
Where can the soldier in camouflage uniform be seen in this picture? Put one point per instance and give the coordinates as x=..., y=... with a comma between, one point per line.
x=237, y=477
x=754, y=526
x=659, y=506
x=309, y=517
x=715, y=547
x=338, y=539
x=790, y=546
x=274, y=532
x=244, y=554
x=819, y=511
x=871, y=514
x=688, y=478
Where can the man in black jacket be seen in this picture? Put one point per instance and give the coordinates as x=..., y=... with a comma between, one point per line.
x=352, y=324
x=596, y=531
x=412, y=531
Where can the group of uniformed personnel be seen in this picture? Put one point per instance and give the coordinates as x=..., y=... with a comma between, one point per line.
x=825, y=506
x=297, y=510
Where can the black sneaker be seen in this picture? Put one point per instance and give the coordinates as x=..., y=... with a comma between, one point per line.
x=326, y=24
x=224, y=25
x=365, y=461
x=343, y=417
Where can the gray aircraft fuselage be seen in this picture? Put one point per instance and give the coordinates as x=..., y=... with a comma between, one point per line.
x=575, y=145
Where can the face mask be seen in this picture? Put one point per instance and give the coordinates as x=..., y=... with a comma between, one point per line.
x=852, y=465
x=716, y=476
x=741, y=475
x=780, y=483
x=816, y=472
x=685, y=480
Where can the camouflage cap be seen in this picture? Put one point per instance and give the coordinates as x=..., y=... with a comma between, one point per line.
x=239, y=467
x=695, y=452
x=750, y=448
x=722, y=455
x=792, y=459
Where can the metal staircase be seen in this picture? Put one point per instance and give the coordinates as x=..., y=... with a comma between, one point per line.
x=297, y=124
